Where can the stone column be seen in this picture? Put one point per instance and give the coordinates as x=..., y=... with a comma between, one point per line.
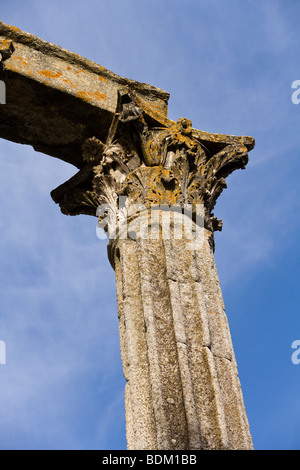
x=183, y=390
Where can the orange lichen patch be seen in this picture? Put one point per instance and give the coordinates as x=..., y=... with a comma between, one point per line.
x=80, y=71
x=14, y=28
x=50, y=74
x=69, y=68
x=102, y=79
x=102, y=96
x=23, y=61
x=154, y=111
x=6, y=48
x=68, y=82
x=87, y=96
x=157, y=109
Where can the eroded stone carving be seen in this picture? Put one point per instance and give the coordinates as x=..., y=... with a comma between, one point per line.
x=6, y=50
x=153, y=164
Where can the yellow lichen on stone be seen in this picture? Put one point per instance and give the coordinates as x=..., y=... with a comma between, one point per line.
x=50, y=74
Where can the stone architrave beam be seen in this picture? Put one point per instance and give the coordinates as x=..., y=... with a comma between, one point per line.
x=56, y=98
x=138, y=169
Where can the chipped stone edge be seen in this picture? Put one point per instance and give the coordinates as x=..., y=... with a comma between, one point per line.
x=30, y=40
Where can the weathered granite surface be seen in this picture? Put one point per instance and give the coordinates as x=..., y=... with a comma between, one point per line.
x=183, y=390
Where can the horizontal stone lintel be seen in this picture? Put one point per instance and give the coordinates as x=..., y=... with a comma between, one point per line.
x=55, y=99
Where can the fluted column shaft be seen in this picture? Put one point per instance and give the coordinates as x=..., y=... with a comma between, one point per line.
x=183, y=390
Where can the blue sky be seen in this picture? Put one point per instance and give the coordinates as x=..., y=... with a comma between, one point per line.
x=228, y=66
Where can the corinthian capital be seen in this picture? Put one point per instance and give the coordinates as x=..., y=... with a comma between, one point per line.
x=153, y=161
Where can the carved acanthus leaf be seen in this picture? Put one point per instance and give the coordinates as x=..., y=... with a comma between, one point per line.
x=169, y=164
